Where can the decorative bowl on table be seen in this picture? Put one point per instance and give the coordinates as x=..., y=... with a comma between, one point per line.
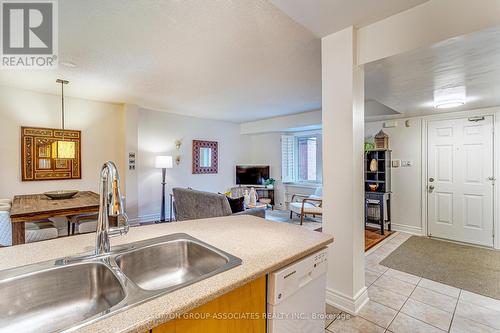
x=59, y=195
x=373, y=187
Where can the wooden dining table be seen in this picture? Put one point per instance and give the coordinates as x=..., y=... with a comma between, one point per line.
x=36, y=207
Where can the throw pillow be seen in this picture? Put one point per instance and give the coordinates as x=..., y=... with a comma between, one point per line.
x=236, y=204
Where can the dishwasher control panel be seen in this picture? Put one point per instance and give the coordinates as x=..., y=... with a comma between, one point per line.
x=320, y=258
x=288, y=280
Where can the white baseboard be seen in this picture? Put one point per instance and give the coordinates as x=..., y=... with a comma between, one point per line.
x=144, y=218
x=346, y=303
x=407, y=229
x=133, y=222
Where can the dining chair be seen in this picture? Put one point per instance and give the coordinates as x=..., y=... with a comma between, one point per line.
x=5, y=225
x=34, y=231
x=83, y=223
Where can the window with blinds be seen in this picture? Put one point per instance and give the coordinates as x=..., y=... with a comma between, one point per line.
x=287, y=158
x=301, y=158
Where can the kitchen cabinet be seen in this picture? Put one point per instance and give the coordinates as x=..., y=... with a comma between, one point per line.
x=248, y=302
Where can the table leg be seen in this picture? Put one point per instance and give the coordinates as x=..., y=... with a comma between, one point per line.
x=382, y=226
x=18, y=229
x=388, y=205
x=382, y=210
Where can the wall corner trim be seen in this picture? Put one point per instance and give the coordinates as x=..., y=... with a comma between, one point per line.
x=346, y=303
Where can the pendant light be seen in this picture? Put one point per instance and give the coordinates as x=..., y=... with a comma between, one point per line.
x=63, y=149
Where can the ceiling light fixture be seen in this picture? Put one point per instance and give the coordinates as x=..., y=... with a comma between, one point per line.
x=449, y=97
x=62, y=149
x=449, y=104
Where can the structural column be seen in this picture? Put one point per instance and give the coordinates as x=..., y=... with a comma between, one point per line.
x=343, y=188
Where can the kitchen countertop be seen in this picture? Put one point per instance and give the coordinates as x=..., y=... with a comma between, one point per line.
x=264, y=246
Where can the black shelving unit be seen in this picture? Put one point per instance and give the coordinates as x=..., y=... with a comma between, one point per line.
x=378, y=202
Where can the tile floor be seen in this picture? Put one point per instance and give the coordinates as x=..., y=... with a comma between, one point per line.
x=404, y=303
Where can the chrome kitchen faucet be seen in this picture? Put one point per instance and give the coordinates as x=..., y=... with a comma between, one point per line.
x=110, y=205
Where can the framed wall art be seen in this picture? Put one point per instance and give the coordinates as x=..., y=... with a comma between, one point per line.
x=37, y=154
x=205, y=157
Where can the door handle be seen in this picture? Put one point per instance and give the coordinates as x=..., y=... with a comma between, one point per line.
x=431, y=188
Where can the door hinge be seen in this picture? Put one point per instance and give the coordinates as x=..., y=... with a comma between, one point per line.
x=492, y=179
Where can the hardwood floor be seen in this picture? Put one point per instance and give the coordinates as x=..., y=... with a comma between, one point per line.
x=373, y=237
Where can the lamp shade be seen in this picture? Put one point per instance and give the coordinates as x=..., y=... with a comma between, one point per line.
x=164, y=162
x=63, y=149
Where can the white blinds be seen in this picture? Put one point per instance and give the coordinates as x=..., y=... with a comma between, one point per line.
x=288, y=158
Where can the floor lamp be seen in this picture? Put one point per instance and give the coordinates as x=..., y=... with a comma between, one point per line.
x=163, y=163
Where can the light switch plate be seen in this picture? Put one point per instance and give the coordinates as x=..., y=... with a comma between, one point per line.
x=390, y=124
x=396, y=163
x=406, y=164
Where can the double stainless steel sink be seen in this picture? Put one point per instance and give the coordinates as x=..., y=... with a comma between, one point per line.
x=65, y=294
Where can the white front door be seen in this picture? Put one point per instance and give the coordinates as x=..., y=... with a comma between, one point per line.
x=459, y=180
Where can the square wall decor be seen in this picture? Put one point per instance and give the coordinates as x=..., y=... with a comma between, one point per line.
x=205, y=157
x=37, y=162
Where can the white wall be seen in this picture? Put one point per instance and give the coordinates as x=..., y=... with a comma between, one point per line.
x=102, y=132
x=310, y=120
x=157, y=132
x=406, y=144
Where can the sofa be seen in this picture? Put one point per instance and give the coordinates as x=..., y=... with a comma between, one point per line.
x=191, y=204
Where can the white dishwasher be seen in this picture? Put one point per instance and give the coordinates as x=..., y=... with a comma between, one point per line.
x=296, y=296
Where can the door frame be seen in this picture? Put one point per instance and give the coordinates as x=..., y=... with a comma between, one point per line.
x=495, y=113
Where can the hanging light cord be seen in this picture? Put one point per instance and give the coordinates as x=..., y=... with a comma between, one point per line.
x=62, y=103
x=62, y=82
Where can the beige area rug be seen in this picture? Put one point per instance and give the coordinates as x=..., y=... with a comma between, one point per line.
x=466, y=267
x=284, y=216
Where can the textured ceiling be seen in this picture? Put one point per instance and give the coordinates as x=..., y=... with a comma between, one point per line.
x=407, y=83
x=231, y=60
x=324, y=17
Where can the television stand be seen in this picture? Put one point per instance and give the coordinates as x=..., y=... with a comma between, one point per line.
x=262, y=192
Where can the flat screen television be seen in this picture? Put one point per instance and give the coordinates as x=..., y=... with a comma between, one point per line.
x=252, y=174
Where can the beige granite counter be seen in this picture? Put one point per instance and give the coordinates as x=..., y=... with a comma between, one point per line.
x=263, y=245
